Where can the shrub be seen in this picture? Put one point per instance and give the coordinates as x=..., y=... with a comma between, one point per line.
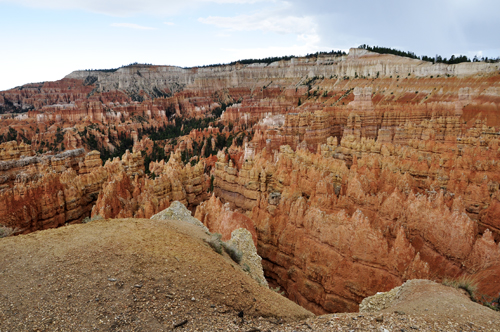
x=277, y=290
x=215, y=242
x=233, y=252
x=466, y=283
x=7, y=231
x=88, y=219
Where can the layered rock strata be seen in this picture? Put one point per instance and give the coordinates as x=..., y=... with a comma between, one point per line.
x=49, y=191
x=331, y=235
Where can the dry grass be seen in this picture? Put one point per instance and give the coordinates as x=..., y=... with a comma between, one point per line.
x=471, y=285
x=7, y=231
x=215, y=242
x=233, y=252
x=467, y=283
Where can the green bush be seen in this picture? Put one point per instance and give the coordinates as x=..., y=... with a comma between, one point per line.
x=88, y=219
x=277, y=290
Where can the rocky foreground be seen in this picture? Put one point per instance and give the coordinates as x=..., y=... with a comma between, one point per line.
x=161, y=275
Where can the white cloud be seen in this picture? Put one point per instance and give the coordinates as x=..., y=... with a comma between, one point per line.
x=267, y=21
x=280, y=20
x=126, y=7
x=131, y=26
x=169, y=23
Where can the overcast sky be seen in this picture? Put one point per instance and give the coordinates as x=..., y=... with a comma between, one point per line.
x=44, y=40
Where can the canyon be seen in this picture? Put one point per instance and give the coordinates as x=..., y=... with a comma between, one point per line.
x=353, y=173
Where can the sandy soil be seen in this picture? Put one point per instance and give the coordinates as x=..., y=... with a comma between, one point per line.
x=146, y=275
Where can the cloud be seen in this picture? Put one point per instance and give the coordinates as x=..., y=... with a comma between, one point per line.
x=127, y=7
x=169, y=23
x=280, y=19
x=131, y=26
x=267, y=21
x=426, y=27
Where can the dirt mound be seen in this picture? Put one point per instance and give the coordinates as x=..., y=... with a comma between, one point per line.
x=128, y=274
x=435, y=301
x=159, y=275
x=417, y=305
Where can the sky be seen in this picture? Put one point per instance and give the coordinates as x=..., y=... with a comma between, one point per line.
x=44, y=40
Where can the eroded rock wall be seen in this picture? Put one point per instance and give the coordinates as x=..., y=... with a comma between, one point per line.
x=127, y=195
x=331, y=235
x=49, y=191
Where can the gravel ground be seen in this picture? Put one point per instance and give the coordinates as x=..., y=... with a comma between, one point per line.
x=147, y=275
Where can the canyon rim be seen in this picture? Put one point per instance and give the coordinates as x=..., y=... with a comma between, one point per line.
x=353, y=173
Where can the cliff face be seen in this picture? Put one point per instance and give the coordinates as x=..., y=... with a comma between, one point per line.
x=47, y=191
x=357, y=63
x=331, y=235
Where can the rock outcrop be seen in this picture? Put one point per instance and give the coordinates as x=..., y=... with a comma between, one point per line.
x=436, y=301
x=251, y=262
x=178, y=211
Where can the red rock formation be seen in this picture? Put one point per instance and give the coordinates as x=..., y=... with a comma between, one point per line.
x=128, y=193
x=330, y=235
x=12, y=150
x=364, y=170
x=220, y=219
x=48, y=192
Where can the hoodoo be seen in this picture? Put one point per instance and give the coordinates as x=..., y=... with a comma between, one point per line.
x=353, y=173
